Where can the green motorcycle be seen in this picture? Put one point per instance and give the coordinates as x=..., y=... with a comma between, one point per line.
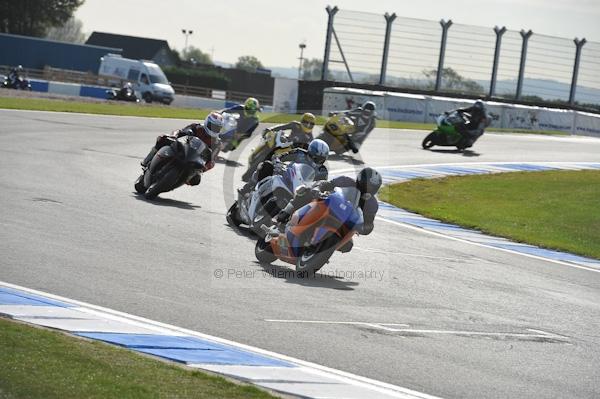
x=446, y=133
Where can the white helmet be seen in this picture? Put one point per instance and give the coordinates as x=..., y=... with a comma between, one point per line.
x=213, y=124
x=318, y=151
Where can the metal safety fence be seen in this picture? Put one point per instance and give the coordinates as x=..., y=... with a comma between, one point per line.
x=446, y=57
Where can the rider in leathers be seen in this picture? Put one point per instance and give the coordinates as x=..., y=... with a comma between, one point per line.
x=315, y=156
x=368, y=182
x=478, y=121
x=300, y=134
x=207, y=131
x=364, y=117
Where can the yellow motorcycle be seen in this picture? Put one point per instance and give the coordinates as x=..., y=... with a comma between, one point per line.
x=337, y=133
x=272, y=144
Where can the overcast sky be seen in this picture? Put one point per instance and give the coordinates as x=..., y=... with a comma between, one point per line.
x=271, y=30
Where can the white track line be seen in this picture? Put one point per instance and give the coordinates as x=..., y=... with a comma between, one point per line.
x=367, y=383
x=408, y=226
x=467, y=164
x=384, y=326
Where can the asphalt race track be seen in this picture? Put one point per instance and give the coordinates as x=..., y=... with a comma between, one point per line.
x=405, y=307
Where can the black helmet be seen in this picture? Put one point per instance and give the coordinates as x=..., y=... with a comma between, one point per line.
x=479, y=105
x=368, y=108
x=368, y=181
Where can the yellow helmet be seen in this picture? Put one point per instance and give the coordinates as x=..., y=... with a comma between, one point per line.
x=308, y=122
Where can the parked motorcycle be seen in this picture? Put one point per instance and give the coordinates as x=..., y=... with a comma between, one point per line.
x=337, y=133
x=447, y=133
x=19, y=84
x=273, y=143
x=126, y=93
x=270, y=196
x=314, y=231
x=172, y=166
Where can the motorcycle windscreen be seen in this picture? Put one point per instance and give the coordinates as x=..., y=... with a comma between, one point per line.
x=299, y=174
x=193, y=150
x=230, y=122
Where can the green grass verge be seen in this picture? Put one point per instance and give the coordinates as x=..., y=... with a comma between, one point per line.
x=39, y=363
x=160, y=111
x=125, y=109
x=554, y=209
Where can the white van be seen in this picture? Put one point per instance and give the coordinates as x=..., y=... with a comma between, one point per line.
x=149, y=81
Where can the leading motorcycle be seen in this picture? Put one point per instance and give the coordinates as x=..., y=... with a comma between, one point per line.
x=314, y=231
x=173, y=165
x=447, y=131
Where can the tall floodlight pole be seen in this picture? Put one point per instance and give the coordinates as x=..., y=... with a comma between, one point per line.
x=187, y=33
x=331, y=13
x=302, y=46
x=499, y=32
x=578, y=46
x=386, y=46
x=525, y=36
x=438, y=79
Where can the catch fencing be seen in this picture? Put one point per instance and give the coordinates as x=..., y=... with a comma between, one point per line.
x=447, y=57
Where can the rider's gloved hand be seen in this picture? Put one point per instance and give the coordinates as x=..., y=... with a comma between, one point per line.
x=278, y=168
x=283, y=216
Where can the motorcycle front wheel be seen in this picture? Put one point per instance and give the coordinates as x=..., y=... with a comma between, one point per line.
x=314, y=258
x=429, y=141
x=139, y=184
x=233, y=217
x=263, y=253
x=162, y=185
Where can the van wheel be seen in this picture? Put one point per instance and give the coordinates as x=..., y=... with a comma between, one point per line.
x=147, y=97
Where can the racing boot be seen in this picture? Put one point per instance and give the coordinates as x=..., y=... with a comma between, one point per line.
x=351, y=145
x=346, y=247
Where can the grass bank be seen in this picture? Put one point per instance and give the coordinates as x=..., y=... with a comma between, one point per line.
x=554, y=209
x=39, y=363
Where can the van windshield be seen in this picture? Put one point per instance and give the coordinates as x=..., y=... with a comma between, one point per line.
x=156, y=75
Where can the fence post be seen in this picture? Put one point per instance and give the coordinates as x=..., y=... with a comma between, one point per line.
x=578, y=46
x=331, y=12
x=525, y=36
x=445, y=27
x=499, y=32
x=386, y=45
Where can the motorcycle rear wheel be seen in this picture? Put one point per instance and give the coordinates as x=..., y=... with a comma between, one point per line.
x=429, y=141
x=233, y=217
